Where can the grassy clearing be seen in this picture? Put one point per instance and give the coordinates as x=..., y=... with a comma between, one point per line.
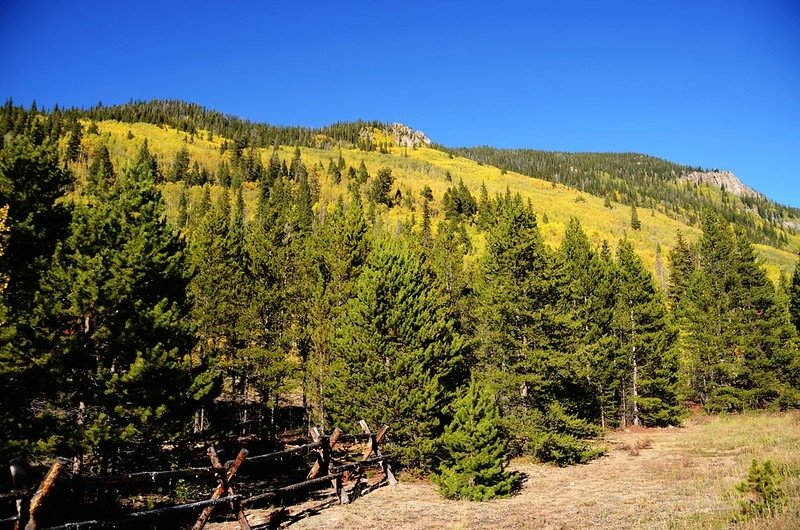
x=651, y=478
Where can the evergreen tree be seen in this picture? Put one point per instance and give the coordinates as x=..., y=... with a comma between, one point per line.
x=274, y=167
x=224, y=174
x=220, y=291
x=522, y=334
x=459, y=202
x=396, y=355
x=427, y=236
x=589, y=297
x=794, y=298
x=381, y=186
x=275, y=245
x=738, y=340
x=202, y=207
x=475, y=451
x=339, y=248
x=149, y=160
x=635, y=223
x=484, y=209
x=74, y=142
x=682, y=265
x=31, y=182
x=182, y=217
x=180, y=166
x=101, y=171
x=646, y=345
x=114, y=304
x=362, y=175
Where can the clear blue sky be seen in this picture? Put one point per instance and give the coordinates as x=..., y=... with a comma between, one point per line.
x=715, y=84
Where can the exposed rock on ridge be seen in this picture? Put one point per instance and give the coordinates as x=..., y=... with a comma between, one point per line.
x=405, y=136
x=724, y=180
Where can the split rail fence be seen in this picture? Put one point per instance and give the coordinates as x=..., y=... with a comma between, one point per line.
x=32, y=505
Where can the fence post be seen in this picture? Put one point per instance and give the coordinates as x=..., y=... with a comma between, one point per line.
x=220, y=490
x=44, y=490
x=19, y=479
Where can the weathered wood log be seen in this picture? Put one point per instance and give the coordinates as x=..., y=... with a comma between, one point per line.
x=153, y=477
x=337, y=434
x=19, y=479
x=236, y=506
x=374, y=440
x=220, y=490
x=285, y=489
x=15, y=494
x=278, y=454
x=358, y=465
x=149, y=514
x=382, y=433
x=387, y=471
x=324, y=453
x=12, y=519
x=44, y=490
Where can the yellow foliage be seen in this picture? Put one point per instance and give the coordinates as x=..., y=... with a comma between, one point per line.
x=413, y=169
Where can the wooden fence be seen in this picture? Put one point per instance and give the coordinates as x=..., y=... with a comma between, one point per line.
x=32, y=505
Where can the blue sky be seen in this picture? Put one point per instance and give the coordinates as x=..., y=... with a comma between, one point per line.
x=715, y=84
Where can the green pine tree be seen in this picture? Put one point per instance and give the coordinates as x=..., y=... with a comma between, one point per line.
x=114, y=303
x=794, y=298
x=589, y=298
x=31, y=181
x=180, y=166
x=475, y=450
x=649, y=366
x=635, y=223
x=737, y=339
x=682, y=265
x=396, y=356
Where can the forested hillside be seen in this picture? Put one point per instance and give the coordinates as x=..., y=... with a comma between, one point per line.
x=642, y=180
x=161, y=275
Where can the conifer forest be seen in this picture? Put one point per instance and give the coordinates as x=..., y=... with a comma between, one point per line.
x=217, y=278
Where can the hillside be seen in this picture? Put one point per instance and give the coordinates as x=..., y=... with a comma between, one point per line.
x=678, y=191
x=166, y=289
x=415, y=168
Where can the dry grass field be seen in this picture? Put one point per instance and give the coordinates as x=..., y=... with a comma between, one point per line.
x=650, y=478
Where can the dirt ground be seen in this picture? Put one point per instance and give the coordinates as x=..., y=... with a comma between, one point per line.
x=650, y=478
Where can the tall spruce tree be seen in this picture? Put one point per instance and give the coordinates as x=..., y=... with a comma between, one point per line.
x=794, y=298
x=646, y=345
x=114, y=304
x=589, y=296
x=682, y=265
x=31, y=181
x=523, y=334
x=396, y=355
x=340, y=244
x=218, y=288
x=737, y=339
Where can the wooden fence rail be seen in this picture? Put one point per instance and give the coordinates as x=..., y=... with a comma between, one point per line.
x=31, y=504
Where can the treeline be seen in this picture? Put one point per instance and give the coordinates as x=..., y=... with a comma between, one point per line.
x=642, y=180
x=191, y=118
x=122, y=335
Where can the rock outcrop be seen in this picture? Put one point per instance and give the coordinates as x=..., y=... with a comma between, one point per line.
x=724, y=180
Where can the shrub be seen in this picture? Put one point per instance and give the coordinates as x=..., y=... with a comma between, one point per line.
x=762, y=490
x=474, y=466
